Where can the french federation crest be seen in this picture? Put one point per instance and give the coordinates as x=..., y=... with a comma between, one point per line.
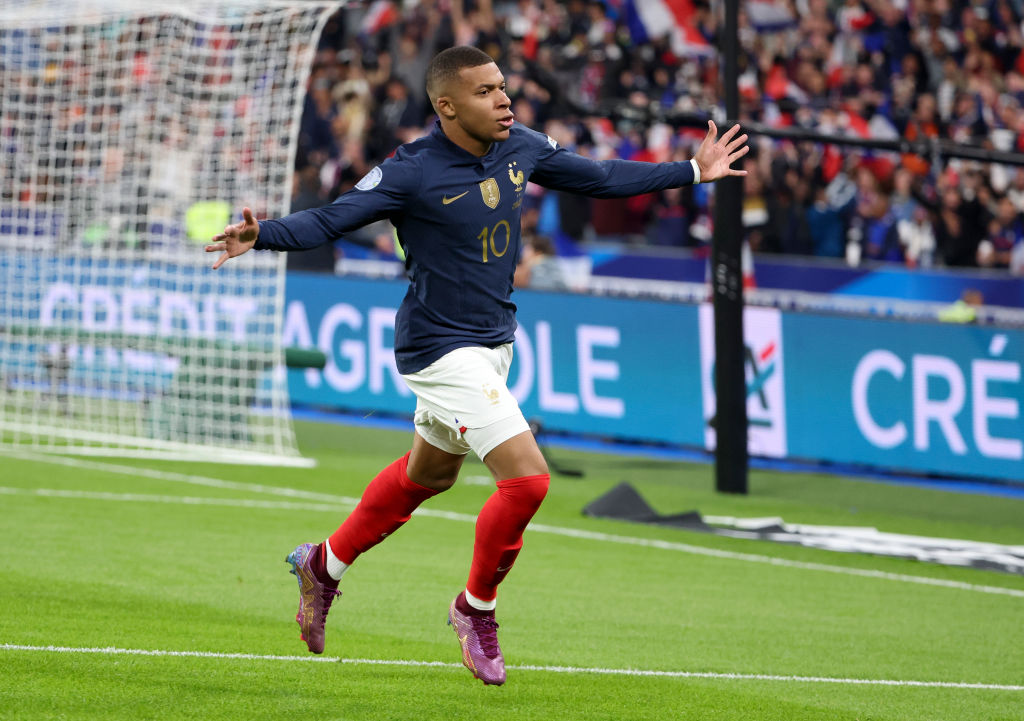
x=492, y=196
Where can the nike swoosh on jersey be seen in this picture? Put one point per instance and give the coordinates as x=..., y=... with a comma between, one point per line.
x=446, y=200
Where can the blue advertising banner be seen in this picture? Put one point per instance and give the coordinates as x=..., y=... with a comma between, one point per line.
x=895, y=395
x=628, y=369
x=911, y=396
x=131, y=298
x=609, y=366
x=353, y=322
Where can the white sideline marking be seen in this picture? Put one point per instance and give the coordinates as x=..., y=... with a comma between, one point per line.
x=112, y=651
x=453, y=516
x=180, y=477
x=182, y=500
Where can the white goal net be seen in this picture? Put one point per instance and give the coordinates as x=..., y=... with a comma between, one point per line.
x=129, y=134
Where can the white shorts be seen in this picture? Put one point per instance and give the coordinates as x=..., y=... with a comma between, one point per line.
x=463, y=402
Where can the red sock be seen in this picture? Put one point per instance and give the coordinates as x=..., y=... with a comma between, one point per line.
x=387, y=503
x=499, y=531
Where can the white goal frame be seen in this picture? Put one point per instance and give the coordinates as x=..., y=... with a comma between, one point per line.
x=129, y=133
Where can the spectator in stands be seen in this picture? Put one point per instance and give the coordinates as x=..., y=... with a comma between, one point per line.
x=307, y=193
x=538, y=268
x=917, y=237
x=319, y=114
x=1005, y=232
x=959, y=225
x=671, y=219
x=873, y=221
x=1016, y=190
x=412, y=52
x=825, y=225
x=787, y=230
x=400, y=117
x=902, y=203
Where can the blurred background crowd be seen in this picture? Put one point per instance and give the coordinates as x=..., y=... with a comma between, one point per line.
x=605, y=78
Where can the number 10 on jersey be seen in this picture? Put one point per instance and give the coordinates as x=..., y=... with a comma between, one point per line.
x=486, y=237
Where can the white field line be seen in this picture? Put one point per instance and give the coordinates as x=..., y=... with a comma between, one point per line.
x=173, y=477
x=180, y=500
x=113, y=651
x=331, y=503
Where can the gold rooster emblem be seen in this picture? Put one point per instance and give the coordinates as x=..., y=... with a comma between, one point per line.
x=517, y=177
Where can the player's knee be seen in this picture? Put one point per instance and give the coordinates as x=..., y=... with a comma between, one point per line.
x=435, y=482
x=539, y=488
x=528, y=491
x=432, y=467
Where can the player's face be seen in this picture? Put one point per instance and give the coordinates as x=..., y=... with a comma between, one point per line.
x=481, y=106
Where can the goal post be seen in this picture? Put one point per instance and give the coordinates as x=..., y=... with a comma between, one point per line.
x=130, y=133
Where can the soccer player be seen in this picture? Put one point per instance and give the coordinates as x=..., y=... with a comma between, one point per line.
x=455, y=198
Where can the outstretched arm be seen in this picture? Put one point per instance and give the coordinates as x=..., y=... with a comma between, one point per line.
x=236, y=239
x=560, y=169
x=384, y=191
x=715, y=156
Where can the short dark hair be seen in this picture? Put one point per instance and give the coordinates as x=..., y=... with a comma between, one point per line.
x=446, y=65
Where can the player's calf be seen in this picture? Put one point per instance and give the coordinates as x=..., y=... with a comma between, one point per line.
x=499, y=531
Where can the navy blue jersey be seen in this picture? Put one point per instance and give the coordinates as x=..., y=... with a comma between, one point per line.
x=457, y=218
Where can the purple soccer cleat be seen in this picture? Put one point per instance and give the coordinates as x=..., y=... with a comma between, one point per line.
x=315, y=597
x=478, y=636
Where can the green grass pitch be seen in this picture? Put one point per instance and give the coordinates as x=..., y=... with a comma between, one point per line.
x=106, y=559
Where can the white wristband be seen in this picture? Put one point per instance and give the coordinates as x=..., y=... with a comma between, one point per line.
x=696, y=171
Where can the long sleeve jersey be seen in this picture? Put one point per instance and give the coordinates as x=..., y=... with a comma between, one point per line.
x=458, y=220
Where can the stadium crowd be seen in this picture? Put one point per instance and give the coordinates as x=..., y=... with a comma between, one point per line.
x=593, y=76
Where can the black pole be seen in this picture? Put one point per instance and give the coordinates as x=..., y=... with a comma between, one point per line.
x=727, y=292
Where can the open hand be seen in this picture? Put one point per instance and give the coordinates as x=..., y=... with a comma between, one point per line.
x=236, y=239
x=715, y=156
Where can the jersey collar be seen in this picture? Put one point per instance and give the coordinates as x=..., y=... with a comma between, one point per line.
x=461, y=153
